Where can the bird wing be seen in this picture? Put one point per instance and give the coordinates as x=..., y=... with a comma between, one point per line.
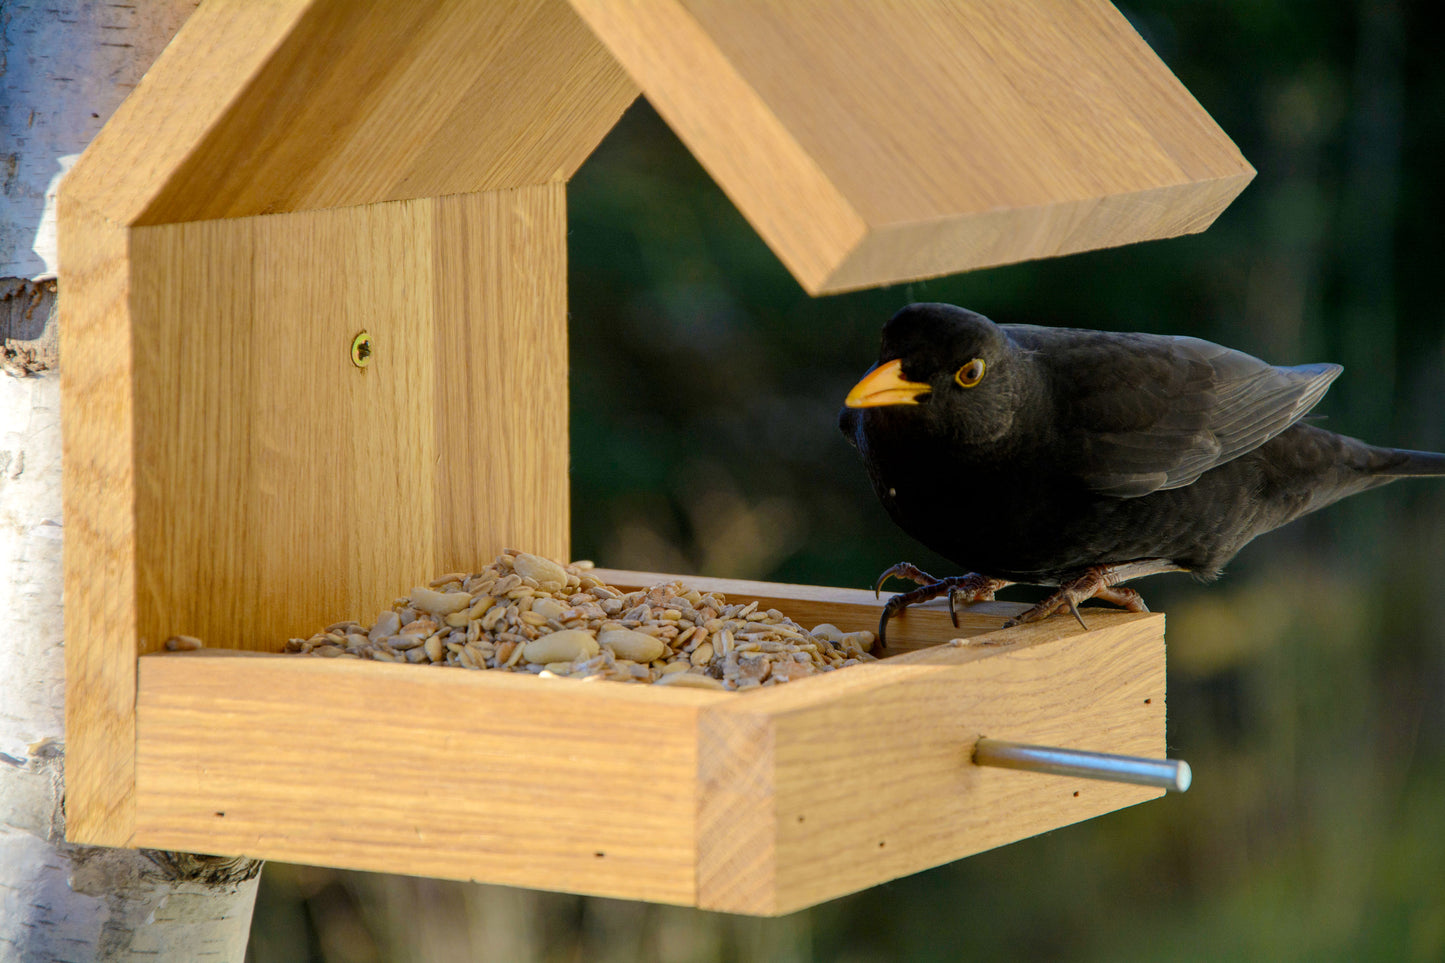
x=1150, y=412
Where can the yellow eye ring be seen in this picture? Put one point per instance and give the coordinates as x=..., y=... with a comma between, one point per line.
x=970, y=374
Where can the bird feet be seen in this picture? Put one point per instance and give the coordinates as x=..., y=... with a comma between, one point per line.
x=967, y=589
x=1096, y=582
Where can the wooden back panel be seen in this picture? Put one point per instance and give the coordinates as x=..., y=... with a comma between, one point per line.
x=280, y=487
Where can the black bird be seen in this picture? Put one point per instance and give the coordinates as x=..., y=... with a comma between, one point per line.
x=1083, y=459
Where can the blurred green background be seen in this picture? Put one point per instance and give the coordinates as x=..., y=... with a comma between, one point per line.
x=1306, y=688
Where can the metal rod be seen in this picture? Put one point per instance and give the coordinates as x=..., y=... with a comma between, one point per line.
x=1171, y=774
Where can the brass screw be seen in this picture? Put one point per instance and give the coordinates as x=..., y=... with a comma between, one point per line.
x=361, y=350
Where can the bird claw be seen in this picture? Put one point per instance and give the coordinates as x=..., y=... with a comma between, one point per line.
x=970, y=588
x=1094, y=583
x=1074, y=607
x=903, y=570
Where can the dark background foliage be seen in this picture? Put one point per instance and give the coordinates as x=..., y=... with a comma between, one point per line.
x=1307, y=687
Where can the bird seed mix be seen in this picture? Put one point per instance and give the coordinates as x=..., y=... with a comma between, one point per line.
x=526, y=613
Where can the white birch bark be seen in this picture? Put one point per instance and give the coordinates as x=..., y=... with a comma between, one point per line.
x=66, y=66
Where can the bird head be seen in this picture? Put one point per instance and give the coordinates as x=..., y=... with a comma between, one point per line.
x=941, y=369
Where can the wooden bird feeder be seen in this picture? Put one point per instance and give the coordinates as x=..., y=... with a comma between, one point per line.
x=314, y=312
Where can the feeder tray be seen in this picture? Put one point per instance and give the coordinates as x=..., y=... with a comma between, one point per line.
x=314, y=325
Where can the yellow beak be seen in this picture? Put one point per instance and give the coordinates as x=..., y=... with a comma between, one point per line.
x=884, y=385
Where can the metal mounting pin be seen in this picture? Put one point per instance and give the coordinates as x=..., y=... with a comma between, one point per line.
x=1171, y=774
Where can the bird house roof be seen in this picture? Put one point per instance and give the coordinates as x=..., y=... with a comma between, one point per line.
x=259, y=108
x=867, y=143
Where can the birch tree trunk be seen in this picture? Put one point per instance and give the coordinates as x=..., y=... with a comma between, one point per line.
x=65, y=68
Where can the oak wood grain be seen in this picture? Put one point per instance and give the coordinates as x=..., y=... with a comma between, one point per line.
x=231, y=475
x=97, y=491
x=263, y=106
x=571, y=786
x=280, y=486
x=756, y=802
x=871, y=143
x=500, y=407
x=869, y=774
x=226, y=468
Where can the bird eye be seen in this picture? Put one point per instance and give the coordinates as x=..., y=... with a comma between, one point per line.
x=970, y=374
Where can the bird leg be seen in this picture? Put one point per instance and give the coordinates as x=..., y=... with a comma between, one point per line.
x=1097, y=582
x=965, y=588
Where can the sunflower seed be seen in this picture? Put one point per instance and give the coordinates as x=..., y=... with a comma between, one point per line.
x=439, y=603
x=526, y=613
x=568, y=645
x=627, y=644
x=688, y=680
x=546, y=572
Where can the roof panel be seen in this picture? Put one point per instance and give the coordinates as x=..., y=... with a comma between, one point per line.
x=261, y=106
x=925, y=124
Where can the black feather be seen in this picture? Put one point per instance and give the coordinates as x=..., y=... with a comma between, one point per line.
x=1082, y=448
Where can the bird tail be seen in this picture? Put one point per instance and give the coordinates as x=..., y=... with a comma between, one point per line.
x=1401, y=463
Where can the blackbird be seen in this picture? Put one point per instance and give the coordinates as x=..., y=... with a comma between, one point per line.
x=1082, y=459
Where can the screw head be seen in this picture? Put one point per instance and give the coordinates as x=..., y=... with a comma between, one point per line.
x=361, y=350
